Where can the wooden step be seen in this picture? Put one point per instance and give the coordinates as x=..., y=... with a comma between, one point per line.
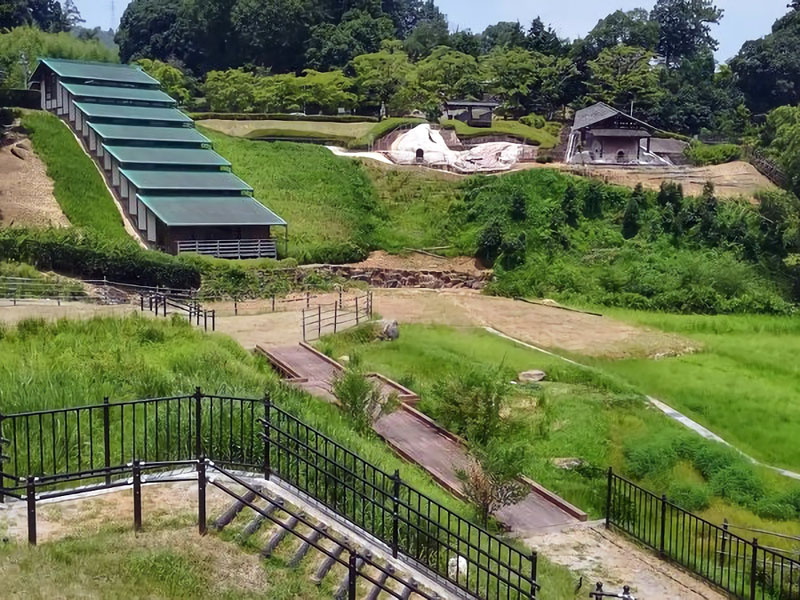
x=259, y=519
x=277, y=537
x=408, y=588
x=341, y=591
x=378, y=587
x=328, y=562
x=233, y=510
x=305, y=546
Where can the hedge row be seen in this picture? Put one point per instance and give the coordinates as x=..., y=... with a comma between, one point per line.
x=20, y=98
x=282, y=117
x=292, y=135
x=88, y=255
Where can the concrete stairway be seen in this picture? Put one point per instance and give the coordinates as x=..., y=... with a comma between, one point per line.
x=241, y=524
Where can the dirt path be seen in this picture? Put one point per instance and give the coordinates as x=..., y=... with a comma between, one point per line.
x=51, y=311
x=423, y=262
x=544, y=326
x=26, y=192
x=601, y=555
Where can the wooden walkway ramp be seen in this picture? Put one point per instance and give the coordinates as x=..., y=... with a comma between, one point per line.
x=420, y=440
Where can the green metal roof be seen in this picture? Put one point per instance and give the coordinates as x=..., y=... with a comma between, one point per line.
x=149, y=133
x=108, y=92
x=132, y=155
x=190, y=181
x=177, y=211
x=132, y=113
x=97, y=71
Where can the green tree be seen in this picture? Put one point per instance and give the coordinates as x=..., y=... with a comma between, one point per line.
x=172, y=79
x=233, y=90
x=272, y=34
x=379, y=76
x=622, y=76
x=543, y=38
x=511, y=75
x=768, y=69
x=783, y=138
x=152, y=29
x=633, y=209
x=465, y=41
x=448, y=74
x=503, y=35
x=329, y=91
x=623, y=28
x=427, y=35
x=685, y=28
x=359, y=32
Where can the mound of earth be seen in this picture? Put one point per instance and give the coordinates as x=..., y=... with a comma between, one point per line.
x=417, y=261
x=26, y=192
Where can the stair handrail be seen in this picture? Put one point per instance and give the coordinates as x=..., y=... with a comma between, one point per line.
x=301, y=518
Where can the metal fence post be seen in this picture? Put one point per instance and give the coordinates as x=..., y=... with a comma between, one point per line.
x=141, y=301
x=395, y=512
x=198, y=421
x=205, y=320
x=534, y=569
x=201, y=495
x=356, y=310
x=753, y=569
x=213, y=319
x=304, y=324
x=608, y=498
x=663, y=524
x=107, y=439
x=351, y=577
x=30, y=497
x=267, y=427
x=137, y=495
x=724, y=542
x=319, y=320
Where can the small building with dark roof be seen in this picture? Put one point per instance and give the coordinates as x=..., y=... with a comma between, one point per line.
x=473, y=113
x=602, y=134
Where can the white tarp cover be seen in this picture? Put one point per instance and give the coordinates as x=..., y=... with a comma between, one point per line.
x=423, y=145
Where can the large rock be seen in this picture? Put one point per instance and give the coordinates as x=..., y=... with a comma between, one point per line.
x=388, y=329
x=531, y=376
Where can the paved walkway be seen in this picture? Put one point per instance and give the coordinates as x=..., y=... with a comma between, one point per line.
x=421, y=441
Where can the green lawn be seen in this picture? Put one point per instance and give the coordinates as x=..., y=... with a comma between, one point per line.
x=69, y=363
x=543, y=138
x=743, y=383
x=586, y=414
x=78, y=186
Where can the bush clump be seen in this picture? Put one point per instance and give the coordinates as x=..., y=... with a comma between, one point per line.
x=712, y=154
x=534, y=120
x=689, y=496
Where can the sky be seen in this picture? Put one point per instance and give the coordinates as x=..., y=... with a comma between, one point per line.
x=743, y=20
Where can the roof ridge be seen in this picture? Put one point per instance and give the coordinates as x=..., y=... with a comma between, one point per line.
x=91, y=62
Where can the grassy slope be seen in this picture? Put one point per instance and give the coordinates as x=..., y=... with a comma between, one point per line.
x=577, y=413
x=78, y=362
x=78, y=186
x=538, y=137
x=168, y=561
x=743, y=384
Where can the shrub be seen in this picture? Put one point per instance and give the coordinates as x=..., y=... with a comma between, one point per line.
x=772, y=508
x=359, y=396
x=490, y=239
x=534, y=120
x=707, y=154
x=689, y=496
x=650, y=457
x=738, y=483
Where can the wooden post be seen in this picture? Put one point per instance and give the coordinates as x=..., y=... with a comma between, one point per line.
x=30, y=497
x=137, y=495
x=335, y=316
x=201, y=495
x=304, y=324
x=356, y=310
x=319, y=320
x=213, y=319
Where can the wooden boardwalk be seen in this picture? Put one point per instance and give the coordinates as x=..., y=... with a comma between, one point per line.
x=419, y=440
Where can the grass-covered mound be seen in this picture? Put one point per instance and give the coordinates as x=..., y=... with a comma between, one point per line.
x=544, y=137
x=554, y=235
x=78, y=186
x=583, y=416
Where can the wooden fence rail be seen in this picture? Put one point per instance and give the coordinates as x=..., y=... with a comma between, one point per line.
x=330, y=318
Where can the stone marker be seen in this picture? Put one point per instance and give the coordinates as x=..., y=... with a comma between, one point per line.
x=388, y=329
x=531, y=376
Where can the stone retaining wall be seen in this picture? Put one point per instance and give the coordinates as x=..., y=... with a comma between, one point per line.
x=396, y=278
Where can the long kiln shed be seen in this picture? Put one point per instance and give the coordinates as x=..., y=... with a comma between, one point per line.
x=192, y=224
x=50, y=72
x=179, y=194
x=601, y=134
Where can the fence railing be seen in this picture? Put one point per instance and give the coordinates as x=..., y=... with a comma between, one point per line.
x=739, y=566
x=256, y=248
x=20, y=289
x=161, y=304
x=48, y=453
x=336, y=316
x=767, y=167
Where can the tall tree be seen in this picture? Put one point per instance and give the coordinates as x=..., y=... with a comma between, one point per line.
x=359, y=32
x=685, y=28
x=628, y=28
x=152, y=29
x=381, y=75
x=768, y=69
x=429, y=32
x=543, y=38
x=622, y=76
x=505, y=34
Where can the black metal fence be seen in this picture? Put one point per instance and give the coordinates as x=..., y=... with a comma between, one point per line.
x=160, y=304
x=339, y=315
x=46, y=454
x=741, y=567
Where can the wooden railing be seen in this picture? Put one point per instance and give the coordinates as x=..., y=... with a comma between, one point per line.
x=231, y=248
